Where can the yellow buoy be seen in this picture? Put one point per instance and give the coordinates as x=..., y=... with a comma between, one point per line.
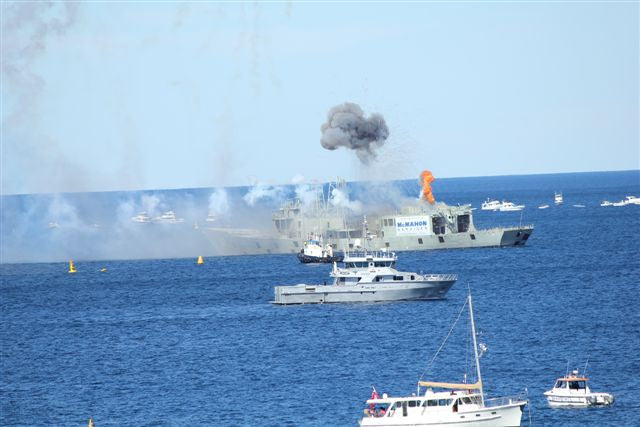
x=200, y=260
x=90, y=422
x=72, y=268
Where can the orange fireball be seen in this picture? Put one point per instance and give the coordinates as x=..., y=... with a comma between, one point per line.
x=427, y=178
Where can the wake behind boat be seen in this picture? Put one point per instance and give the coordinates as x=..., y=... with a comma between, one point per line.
x=460, y=405
x=367, y=277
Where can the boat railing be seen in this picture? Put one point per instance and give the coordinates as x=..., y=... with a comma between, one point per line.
x=512, y=227
x=441, y=277
x=506, y=400
x=387, y=255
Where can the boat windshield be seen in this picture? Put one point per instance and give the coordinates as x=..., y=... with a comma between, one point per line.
x=365, y=264
x=573, y=385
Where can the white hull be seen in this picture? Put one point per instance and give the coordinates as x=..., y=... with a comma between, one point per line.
x=573, y=401
x=503, y=416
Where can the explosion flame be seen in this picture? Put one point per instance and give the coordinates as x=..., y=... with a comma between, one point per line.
x=426, y=178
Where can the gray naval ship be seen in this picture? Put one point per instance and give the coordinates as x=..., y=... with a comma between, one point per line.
x=367, y=277
x=416, y=226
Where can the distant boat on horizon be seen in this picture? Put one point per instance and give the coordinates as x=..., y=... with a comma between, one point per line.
x=558, y=199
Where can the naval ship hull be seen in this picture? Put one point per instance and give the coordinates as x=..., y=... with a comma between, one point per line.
x=498, y=237
x=226, y=243
x=324, y=294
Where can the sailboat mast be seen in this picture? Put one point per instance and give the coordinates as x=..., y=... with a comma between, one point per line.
x=475, y=348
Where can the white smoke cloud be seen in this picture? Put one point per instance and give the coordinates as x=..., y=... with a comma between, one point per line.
x=341, y=199
x=298, y=179
x=262, y=191
x=150, y=204
x=219, y=202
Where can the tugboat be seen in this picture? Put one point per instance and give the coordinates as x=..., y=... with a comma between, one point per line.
x=572, y=391
x=459, y=403
x=367, y=277
x=315, y=252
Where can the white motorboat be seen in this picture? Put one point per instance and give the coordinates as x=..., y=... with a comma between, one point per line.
x=491, y=205
x=558, y=199
x=606, y=203
x=508, y=206
x=142, y=218
x=632, y=200
x=545, y=206
x=573, y=391
x=169, y=217
x=460, y=405
x=367, y=277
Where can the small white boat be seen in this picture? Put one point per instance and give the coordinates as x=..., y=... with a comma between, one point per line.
x=573, y=391
x=578, y=206
x=142, y=218
x=632, y=200
x=558, y=199
x=491, y=205
x=169, y=217
x=460, y=404
x=508, y=206
x=543, y=206
x=606, y=203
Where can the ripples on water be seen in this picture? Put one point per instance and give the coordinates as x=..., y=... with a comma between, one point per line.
x=165, y=342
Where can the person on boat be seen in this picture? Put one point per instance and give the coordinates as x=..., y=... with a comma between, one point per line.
x=381, y=412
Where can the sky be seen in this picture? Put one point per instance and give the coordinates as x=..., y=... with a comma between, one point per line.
x=100, y=96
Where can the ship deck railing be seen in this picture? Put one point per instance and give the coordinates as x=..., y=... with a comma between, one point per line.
x=436, y=276
x=509, y=227
x=503, y=401
x=362, y=253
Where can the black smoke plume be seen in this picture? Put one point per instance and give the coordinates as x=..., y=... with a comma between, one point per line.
x=347, y=127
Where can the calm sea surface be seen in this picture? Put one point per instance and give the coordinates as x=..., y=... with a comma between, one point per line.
x=169, y=343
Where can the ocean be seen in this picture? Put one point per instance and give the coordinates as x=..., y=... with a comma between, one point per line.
x=164, y=342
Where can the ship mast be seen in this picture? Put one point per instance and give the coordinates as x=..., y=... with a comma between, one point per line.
x=475, y=348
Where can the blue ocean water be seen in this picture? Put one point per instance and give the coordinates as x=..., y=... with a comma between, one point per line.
x=166, y=342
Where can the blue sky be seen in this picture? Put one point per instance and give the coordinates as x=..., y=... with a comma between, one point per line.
x=141, y=95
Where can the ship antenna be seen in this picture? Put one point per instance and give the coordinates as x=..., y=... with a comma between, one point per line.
x=584, y=373
x=521, y=219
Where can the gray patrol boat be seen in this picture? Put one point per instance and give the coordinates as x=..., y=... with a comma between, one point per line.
x=367, y=277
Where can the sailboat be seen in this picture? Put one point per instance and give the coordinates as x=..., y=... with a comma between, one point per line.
x=458, y=405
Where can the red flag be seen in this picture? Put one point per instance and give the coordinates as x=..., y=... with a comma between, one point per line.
x=374, y=395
